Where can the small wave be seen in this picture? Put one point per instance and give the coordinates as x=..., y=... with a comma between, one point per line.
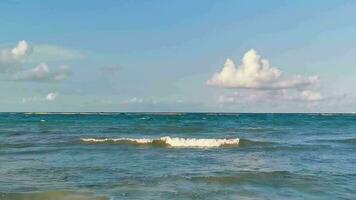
x=167, y=142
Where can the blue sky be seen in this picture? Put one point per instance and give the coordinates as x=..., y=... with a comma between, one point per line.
x=175, y=56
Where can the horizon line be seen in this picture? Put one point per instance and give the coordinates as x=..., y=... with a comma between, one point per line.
x=166, y=112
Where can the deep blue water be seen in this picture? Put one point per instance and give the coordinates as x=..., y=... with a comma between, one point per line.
x=279, y=156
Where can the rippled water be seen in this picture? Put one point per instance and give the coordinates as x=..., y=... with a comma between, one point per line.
x=278, y=156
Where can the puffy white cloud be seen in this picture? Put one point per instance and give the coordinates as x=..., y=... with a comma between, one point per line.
x=43, y=73
x=20, y=50
x=51, y=96
x=256, y=80
x=12, y=59
x=257, y=73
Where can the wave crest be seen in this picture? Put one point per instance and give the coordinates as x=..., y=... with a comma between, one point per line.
x=167, y=142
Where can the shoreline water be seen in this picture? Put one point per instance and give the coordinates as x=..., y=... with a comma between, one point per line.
x=277, y=156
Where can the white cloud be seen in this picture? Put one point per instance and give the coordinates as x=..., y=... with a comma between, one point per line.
x=257, y=73
x=51, y=96
x=39, y=98
x=135, y=100
x=20, y=50
x=12, y=59
x=256, y=80
x=311, y=95
x=43, y=73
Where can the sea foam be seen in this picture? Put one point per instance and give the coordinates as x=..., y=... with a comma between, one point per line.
x=168, y=141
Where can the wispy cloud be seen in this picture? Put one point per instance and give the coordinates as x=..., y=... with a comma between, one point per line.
x=14, y=62
x=309, y=95
x=134, y=100
x=258, y=96
x=42, y=73
x=48, y=53
x=38, y=99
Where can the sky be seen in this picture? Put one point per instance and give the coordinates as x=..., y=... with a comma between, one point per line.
x=178, y=56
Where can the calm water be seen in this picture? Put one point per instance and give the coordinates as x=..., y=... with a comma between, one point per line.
x=279, y=156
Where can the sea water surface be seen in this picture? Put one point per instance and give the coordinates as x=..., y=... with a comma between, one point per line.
x=73, y=156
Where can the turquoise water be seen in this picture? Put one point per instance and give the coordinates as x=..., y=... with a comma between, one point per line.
x=279, y=156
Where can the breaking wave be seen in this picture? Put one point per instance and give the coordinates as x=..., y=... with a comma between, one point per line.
x=167, y=142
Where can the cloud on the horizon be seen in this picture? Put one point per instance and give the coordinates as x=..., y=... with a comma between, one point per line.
x=42, y=73
x=309, y=95
x=258, y=96
x=51, y=96
x=39, y=98
x=257, y=73
x=134, y=100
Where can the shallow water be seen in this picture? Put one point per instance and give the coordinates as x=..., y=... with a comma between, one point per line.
x=278, y=156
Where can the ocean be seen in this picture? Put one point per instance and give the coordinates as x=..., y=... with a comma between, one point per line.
x=72, y=156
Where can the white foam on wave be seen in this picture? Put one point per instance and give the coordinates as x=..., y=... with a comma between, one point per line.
x=170, y=141
x=101, y=140
x=193, y=142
